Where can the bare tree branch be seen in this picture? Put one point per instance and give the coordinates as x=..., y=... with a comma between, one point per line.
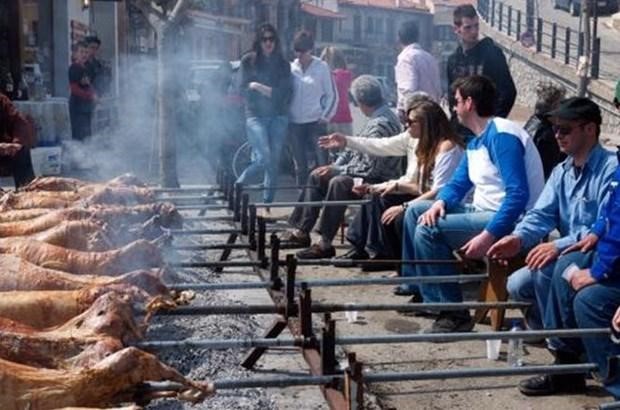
x=155, y=17
x=178, y=11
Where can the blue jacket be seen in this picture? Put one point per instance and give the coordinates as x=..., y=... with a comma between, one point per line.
x=607, y=228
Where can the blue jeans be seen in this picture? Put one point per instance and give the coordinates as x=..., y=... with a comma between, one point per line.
x=266, y=136
x=439, y=242
x=526, y=285
x=304, y=141
x=591, y=307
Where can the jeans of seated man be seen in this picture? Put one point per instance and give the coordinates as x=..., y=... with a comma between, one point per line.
x=439, y=242
x=532, y=286
x=19, y=166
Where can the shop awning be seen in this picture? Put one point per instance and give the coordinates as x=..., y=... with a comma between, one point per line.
x=320, y=12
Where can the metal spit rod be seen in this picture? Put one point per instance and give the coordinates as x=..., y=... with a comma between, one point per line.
x=333, y=282
x=381, y=377
x=337, y=307
x=247, y=343
x=314, y=204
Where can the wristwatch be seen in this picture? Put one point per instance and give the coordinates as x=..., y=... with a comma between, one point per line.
x=405, y=205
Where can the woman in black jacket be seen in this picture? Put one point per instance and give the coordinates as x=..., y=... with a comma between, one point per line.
x=267, y=86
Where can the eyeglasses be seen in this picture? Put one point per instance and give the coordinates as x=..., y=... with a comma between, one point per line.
x=566, y=129
x=268, y=39
x=410, y=121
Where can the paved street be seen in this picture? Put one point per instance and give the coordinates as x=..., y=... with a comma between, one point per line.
x=610, y=39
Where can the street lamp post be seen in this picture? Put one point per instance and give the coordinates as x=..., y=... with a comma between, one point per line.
x=583, y=67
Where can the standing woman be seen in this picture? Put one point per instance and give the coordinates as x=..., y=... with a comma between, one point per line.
x=314, y=103
x=267, y=86
x=342, y=120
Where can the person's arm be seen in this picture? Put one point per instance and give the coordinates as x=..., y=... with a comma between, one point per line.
x=459, y=185
x=382, y=147
x=330, y=94
x=543, y=217
x=607, y=258
x=507, y=153
x=498, y=70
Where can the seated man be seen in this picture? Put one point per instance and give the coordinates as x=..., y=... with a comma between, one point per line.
x=570, y=203
x=586, y=298
x=335, y=182
x=16, y=138
x=503, y=168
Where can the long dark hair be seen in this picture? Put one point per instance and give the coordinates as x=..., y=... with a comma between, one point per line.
x=435, y=128
x=260, y=32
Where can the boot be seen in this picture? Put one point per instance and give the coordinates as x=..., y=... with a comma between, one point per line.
x=550, y=384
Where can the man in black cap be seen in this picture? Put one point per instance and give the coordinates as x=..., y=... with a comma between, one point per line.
x=570, y=202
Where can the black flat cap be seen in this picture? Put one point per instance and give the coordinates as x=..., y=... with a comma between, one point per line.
x=577, y=108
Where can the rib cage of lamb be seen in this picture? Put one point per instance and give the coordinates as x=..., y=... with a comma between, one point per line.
x=79, y=271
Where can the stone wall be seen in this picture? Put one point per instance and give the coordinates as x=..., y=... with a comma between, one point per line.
x=528, y=68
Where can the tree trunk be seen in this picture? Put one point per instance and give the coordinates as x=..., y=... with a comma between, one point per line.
x=165, y=124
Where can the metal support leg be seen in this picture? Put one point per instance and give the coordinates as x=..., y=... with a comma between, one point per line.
x=232, y=238
x=237, y=202
x=291, y=271
x=305, y=311
x=252, y=227
x=353, y=384
x=328, y=346
x=245, y=200
x=274, y=266
x=262, y=233
x=274, y=331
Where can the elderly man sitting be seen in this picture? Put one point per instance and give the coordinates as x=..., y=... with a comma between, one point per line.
x=335, y=182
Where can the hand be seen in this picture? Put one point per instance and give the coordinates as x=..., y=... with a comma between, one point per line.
x=323, y=121
x=478, y=246
x=361, y=190
x=253, y=85
x=323, y=172
x=505, y=248
x=391, y=187
x=9, y=148
x=390, y=214
x=584, y=245
x=333, y=141
x=615, y=322
x=582, y=278
x=541, y=255
x=437, y=210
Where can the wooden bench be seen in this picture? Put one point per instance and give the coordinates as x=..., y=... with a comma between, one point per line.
x=494, y=288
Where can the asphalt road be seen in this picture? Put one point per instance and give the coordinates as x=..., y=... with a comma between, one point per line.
x=610, y=38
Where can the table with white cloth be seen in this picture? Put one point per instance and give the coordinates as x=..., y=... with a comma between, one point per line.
x=51, y=119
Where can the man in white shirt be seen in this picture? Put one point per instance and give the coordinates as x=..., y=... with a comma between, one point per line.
x=416, y=69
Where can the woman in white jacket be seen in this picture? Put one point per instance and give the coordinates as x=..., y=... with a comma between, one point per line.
x=433, y=152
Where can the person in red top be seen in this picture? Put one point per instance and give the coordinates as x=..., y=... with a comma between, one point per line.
x=16, y=138
x=342, y=121
x=83, y=97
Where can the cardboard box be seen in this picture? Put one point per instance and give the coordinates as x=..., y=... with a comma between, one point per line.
x=46, y=160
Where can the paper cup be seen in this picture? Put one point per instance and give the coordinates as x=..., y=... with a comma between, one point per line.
x=358, y=181
x=493, y=347
x=350, y=315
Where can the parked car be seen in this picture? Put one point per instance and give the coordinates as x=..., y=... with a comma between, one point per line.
x=574, y=6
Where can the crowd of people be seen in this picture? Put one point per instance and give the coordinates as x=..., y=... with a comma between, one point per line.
x=474, y=182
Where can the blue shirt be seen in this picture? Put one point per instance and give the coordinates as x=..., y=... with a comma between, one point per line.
x=607, y=229
x=570, y=202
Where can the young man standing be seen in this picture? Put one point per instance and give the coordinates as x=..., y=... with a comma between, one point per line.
x=504, y=170
x=83, y=97
x=416, y=69
x=480, y=57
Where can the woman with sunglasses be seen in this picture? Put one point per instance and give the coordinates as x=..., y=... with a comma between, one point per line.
x=266, y=84
x=433, y=151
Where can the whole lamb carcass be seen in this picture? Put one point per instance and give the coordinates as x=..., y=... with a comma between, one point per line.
x=140, y=254
x=73, y=184
x=22, y=214
x=105, y=327
x=116, y=379
x=46, y=308
x=19, y=274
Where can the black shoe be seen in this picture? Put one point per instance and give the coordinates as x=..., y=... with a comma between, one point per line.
x=404, y=290
x=553, y=384
x=316, y=252
x=289, y=240
x=451, y=322
x=354, y=254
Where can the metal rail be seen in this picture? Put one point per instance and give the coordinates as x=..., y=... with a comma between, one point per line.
x=246, y=343
x=218, y=264
x=209, y=247
x=332, y=282
x=315, y=204
x=336, y=307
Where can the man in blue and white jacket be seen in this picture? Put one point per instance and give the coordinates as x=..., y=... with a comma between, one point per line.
x=503, y=168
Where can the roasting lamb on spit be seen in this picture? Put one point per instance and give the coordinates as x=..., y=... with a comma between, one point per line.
x=116, y=379
x=73, y=184
x=140, y=254
x=105, y=327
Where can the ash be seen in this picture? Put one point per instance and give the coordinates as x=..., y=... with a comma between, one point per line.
x=201, y=364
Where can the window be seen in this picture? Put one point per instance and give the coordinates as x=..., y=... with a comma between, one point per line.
x=379, y=25
x=369, y=25
x=327, y=30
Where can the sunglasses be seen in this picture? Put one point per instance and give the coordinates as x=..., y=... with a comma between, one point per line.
x=268, y=39
x=410, y=122
x=565, y=129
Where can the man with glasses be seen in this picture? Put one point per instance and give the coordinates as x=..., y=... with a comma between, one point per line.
x=480, y=57
x=502, y=168
x=570, y=203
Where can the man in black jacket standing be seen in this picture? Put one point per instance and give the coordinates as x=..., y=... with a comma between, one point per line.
x=480, y=57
